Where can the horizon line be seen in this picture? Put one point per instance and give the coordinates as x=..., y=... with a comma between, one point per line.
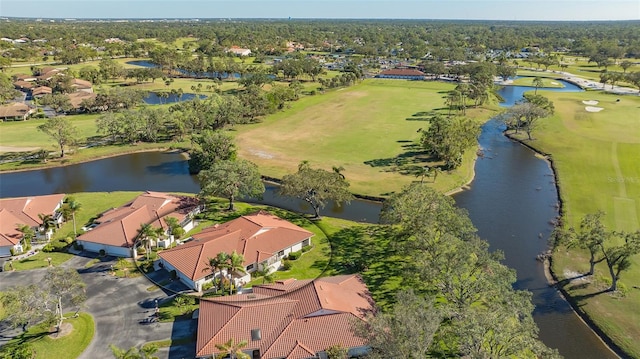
x=296, y=18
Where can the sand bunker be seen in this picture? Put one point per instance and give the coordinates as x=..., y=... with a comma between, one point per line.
x=590, y=102
x=555, y=83
x=593, y=109
x=17, y=149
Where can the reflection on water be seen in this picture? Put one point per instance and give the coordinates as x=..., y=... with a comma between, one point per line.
x=512, y=201
x=154, y=171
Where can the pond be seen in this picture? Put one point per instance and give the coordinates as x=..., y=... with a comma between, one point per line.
x=153, y=98
x=212, y=75
x=511, y=94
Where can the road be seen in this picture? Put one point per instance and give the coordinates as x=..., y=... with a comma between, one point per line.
x=118, y=305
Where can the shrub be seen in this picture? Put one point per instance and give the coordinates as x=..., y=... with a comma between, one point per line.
x=306, y=249
x=48, y=248
x=286, y=264
x=206, y=286
x=294, y=255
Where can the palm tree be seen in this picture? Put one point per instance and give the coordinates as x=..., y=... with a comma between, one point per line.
x=47, y=222
x=423, y=172
x=147, y=351
x=537, y=82
x=216, y=265
x=232, y=349
x=463, y=89
x=453, y=99
x=27, y=233
x=174, y=227
x=145, y=233
x=338, y=170
x=74, y=206
x=435, y=171
x=267, y=276
x=157, y=234
x=236, y=264
x=131, y=353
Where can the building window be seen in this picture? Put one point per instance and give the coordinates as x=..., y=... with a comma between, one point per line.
x=281, y=253
x=250, y=266
x=306, y=242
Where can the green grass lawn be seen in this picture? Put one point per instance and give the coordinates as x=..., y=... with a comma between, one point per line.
x=339, y=247
x=66, y=347
x=170, y=311
x=546, y=82
x=26, y=133
x=92, y=204
x=39, y=260
x=597, y=157
x=580, y=66
x=370, y=129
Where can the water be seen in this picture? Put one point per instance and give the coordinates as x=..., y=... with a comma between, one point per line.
x=512, y=201
x=220, y=75
x=153, y=98
x=153, y=171
x=511, y=94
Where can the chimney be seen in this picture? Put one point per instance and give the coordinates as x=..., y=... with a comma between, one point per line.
x=256, y=334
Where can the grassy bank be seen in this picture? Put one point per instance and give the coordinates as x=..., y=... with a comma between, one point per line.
x=370, y=129
x=528, y=81
x=69, y=346
x=596, y=156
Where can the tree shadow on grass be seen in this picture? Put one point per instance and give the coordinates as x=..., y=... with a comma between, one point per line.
x=372, y=252
x=569, y=285
x=31, y=336
x=408, y=163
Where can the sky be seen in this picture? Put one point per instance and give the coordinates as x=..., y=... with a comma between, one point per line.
x=557, y=10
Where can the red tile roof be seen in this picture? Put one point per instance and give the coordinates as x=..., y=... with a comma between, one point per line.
x=296, y=319
x=9, y=224
x=24, y=84
x=76, y=98
x=27, y=209
x=257, y=237
x=25, y=77
x=119, y=226
x=79, y=83
x=42, y=90
x=15, y=109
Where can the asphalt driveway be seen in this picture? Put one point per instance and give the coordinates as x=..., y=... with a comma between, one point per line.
x=118, y=306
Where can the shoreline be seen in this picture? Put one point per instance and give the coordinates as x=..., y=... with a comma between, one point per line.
x=158, y=149
x=273, y=180
x=552, y=278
